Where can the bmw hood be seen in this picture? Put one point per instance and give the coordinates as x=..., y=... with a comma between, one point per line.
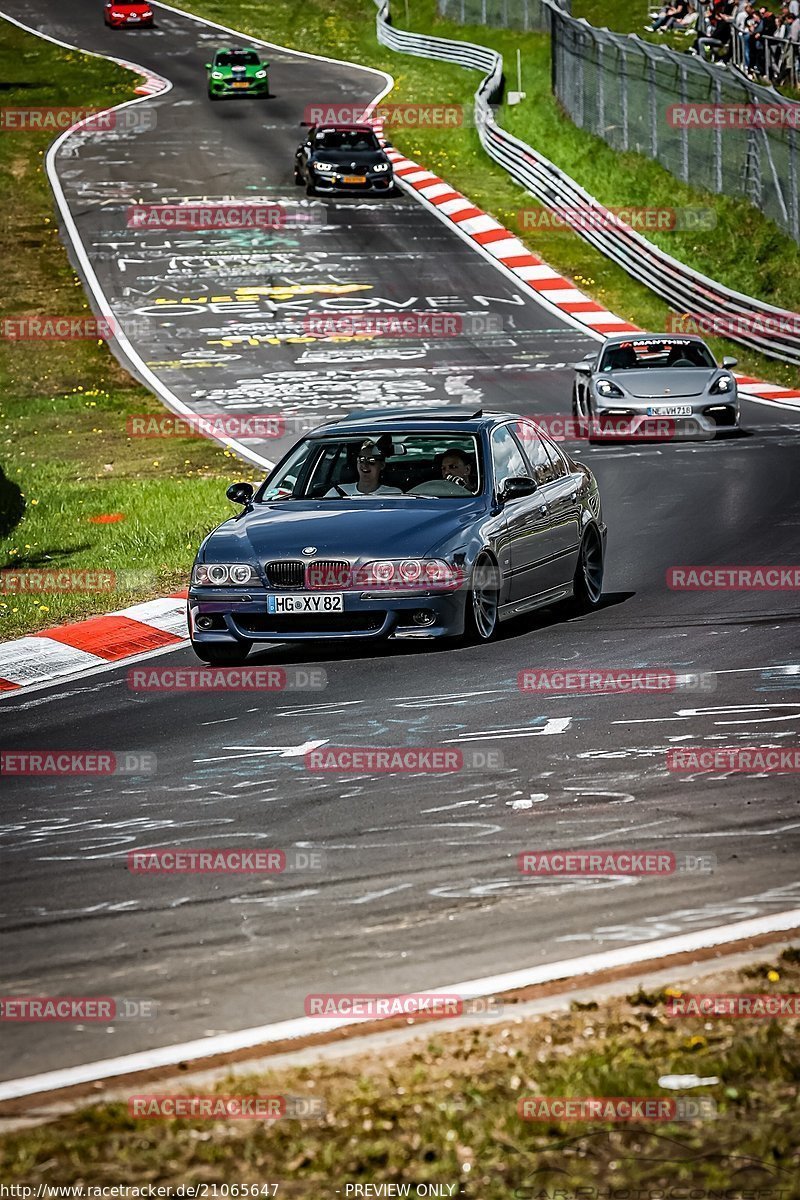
x=652, y=384
x=355, y=529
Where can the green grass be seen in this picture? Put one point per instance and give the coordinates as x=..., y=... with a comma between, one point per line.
x=745, y=250
x=65, y=456
x=444, y=1110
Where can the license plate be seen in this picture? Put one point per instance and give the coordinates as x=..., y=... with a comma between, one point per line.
x=245, y=84
x=354, y=179
x=301, y=602
x=670, y=410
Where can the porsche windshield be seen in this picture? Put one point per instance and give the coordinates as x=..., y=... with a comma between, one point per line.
x=671, y=352
x=387, y=466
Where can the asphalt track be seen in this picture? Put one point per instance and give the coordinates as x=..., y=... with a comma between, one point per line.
x=420, y=884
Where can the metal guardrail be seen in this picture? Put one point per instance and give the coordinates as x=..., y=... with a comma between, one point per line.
x=770, y=330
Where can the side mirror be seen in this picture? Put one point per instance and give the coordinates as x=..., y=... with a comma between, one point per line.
x=240, y=493
x=516, y=486
x=583, y=367
x=208, y=66
x=306, y=125
x=729, y=362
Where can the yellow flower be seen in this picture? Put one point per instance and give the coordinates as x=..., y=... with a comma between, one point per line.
x=773, y=976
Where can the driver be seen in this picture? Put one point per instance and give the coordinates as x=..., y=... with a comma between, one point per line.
x=370, y=462
x=457, y=467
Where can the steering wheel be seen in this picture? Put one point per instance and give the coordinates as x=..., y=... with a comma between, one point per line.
x=439, y=487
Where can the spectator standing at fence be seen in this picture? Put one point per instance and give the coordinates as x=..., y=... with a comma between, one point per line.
x=784, y=48
x=765, y=29
x=744, y=17
x=761, y=27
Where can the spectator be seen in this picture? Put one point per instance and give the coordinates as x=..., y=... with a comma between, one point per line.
x=717, y=38
x=670, y=14
x=762, y=26
x=688, y=23
x=744, y=17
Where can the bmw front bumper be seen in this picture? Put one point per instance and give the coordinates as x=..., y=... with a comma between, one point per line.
x=223, y=617
x=333, y=183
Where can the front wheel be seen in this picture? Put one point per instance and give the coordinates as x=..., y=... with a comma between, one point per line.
x=481, y=619
x=222, y=656
x=587, y=583
x=310, y=189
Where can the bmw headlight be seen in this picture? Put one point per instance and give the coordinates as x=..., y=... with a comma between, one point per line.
x=321, y=166
x=217, y=75
x=261, y=74
x=223, y=574
x=723, y=384
x=381, y=167
x=604, y=387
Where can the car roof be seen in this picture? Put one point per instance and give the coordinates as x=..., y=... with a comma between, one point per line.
x=343, y=127
x=444, y=419
x=616, y=338
x=236, y=50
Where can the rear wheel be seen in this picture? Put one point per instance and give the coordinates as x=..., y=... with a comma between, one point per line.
x=587, y=583
x=481, y=618
x=222, y=656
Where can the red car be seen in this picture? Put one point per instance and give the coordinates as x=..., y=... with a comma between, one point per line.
x=128, y=16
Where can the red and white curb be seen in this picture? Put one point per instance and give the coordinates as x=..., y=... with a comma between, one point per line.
x=98, y=641
x=493, y=239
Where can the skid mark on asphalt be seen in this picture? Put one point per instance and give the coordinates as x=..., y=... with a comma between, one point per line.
x=651, y=928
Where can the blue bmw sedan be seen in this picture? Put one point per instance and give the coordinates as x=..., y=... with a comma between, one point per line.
x=400, y=523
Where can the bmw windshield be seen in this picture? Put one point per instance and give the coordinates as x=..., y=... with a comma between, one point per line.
x=438, y=465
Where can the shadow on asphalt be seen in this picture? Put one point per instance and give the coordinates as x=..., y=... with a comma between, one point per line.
x=353, y=651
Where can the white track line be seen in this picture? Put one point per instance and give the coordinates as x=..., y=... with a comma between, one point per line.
x=492, y=985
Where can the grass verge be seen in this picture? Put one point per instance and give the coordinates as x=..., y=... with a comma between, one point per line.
x=745, y=250
x=444, y=1110
x=66, y=462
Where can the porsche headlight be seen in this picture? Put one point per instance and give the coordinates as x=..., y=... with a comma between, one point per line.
x=381, y=167
x=723, y=384
x=261, y=74
x=322, y=166
x=217, y=75
x=604, y=387
x=223, y=574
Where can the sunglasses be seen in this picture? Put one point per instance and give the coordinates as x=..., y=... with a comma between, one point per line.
x=364, y=461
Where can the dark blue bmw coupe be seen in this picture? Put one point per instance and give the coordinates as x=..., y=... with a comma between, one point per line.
x=400, y=523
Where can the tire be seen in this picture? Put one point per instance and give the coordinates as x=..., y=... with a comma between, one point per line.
x=298, y=178
x=222, y=656
x=481, y=620
x=577, y=416
x=212, y=95
x=310, y=189
x=587, y=583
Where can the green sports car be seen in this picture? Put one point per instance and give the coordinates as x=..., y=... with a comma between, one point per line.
x=237, y=73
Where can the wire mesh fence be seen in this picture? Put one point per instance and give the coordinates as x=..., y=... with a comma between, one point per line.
x=708, y=125
x=508, y=14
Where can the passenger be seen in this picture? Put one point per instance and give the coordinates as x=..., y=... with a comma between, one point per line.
x=457, y=467
x=370, y=462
